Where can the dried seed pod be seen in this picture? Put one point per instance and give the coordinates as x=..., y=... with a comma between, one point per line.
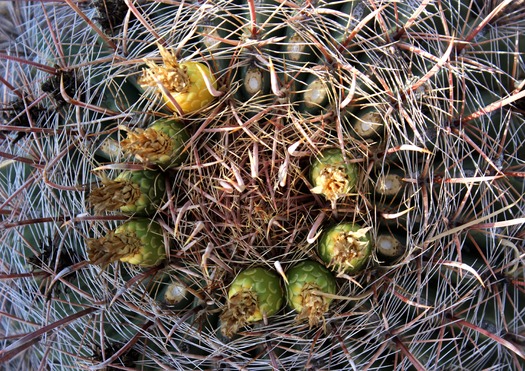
x=162, y=143
x=345, y=247
x=131, y=192
x=137, y=242
x=307, y=281
x=255, y=294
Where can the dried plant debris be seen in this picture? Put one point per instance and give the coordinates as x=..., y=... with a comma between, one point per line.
x=110, y=14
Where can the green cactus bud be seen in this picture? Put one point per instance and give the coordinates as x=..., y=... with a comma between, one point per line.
x=333, y=176
x=137, y=242
x=162, y=143
x=389, y=247
x=131, y=192
x=345, y=247
x=255, y=294
x=366, y=124
x=307, y=281
x=390, y=185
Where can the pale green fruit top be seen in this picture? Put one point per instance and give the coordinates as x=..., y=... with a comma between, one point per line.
x=266, y=285
x=256, y=293
x=305, y=281
x=332, y=176
x=345, y=247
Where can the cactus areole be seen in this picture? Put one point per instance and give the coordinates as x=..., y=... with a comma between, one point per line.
x=182, y=85
x=255, y=294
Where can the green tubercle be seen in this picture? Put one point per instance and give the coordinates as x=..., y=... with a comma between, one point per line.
x=162, y=143
x=138, y=241
x=131, y=192
x=345, y=247
x=306, y=283
x=255, y=294
x=332, y=176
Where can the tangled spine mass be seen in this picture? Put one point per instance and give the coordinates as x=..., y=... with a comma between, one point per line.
x=261, y=125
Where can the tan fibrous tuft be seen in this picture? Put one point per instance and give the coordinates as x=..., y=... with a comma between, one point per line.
x=333, y=183
x=113, y=195
x=313, y=305
x=112, y=247
x=147, y=144
x=170, y=74
x=240, y=307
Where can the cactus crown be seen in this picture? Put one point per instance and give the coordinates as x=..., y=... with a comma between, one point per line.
x=269, y=104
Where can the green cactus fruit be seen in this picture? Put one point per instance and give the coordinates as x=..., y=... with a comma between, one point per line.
x=138, y=242
x=307, y=281
x=333, y=176
x=162, y=143
x=184, y=85
x=131, y=192
x=254, y=295
x=345, y=247
x=440, y=81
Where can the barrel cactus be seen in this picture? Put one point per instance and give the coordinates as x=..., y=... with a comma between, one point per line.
x=236, y=105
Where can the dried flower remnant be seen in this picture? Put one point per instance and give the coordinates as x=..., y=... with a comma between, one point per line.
x=182, y=85
x=131, y=192
x=137, y=242
x=332, y=176
x=307, y=281
x=163, y=143
x=345, y=247
x=254, y=295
